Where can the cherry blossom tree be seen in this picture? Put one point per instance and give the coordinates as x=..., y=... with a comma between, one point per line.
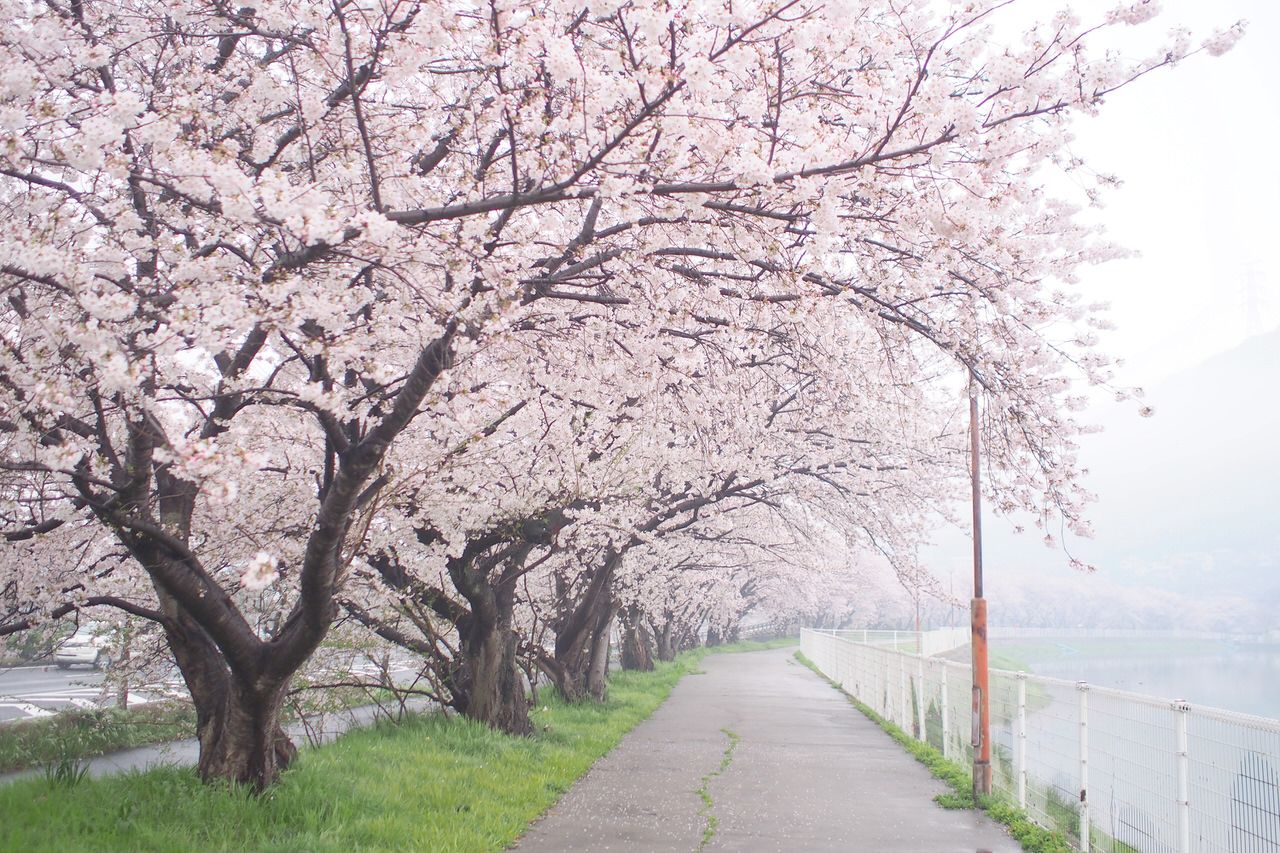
x=251, y=249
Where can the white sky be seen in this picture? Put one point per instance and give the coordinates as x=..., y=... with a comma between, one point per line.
x=1196, y=148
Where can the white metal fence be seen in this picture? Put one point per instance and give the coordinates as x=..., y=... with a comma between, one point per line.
x=1116, y=771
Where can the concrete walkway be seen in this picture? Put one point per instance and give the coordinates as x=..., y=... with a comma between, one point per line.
x=803, y=770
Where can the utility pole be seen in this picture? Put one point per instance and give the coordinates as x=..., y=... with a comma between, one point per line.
x=978, y=639
x=919, y=638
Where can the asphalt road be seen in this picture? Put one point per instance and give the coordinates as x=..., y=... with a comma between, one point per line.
x=36, y=691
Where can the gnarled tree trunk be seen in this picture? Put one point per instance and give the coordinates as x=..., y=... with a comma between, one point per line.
x=241, y=738
x=666, y=641
x=598, y=666
x=237, y=715
x=637, y=642
x=486, y=685
x=580, y=671
x=687, y=637
x=582, y=639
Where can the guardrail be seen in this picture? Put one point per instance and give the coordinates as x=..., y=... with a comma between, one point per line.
x=766, y=631
x=1115, y=771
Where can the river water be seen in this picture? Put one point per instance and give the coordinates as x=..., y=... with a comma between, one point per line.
x=1243, y=678
x=1233, y=765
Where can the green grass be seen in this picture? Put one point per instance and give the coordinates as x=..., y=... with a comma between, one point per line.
x=73, y=735
x=712, y=823
x=429, y=783
x=1033, y=838
x=748, y=646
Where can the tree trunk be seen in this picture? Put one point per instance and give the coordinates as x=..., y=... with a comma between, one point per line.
x=687, y=638
x=487, y=685
x=560, y=677
x=580, y=670
x=637, y=642
x=241, y=739
x=713, y=637
x=666, y=646
x=237, y=717
x=598, y=670
x=580, y=663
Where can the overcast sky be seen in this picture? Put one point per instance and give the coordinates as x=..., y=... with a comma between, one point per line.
x=1197, y=150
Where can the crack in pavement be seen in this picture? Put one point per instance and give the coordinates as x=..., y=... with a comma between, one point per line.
x=707, y=811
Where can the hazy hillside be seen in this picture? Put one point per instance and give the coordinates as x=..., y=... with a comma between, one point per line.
x=1196, y=488
x=1188, y=518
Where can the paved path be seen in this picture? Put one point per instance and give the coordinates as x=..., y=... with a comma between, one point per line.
x=808, y=772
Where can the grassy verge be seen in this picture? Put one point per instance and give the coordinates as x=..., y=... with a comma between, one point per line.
x=73, y=735
x=429, y=783
x=749, y=646
x=1033, y=838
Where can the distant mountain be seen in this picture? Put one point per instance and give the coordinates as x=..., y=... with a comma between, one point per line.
x=1188, y=501
x=1192, y=496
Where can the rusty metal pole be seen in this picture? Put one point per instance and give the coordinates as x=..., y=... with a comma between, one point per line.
x=978, y=639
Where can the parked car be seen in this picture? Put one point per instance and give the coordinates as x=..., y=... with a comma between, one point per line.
x=87, y=647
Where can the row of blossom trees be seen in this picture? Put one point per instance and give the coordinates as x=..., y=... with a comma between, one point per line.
x=478, y=324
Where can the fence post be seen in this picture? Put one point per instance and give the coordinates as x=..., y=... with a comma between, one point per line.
x=946, y=714
x=1180, y=709
x=859, y=671
x=849, y=659
x=1083, y=689
x=920, y=718
x=1020, y=747
x=904, y=709
x=886, y=687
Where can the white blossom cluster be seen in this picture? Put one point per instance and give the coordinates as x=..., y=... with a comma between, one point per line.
x=673, y=300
